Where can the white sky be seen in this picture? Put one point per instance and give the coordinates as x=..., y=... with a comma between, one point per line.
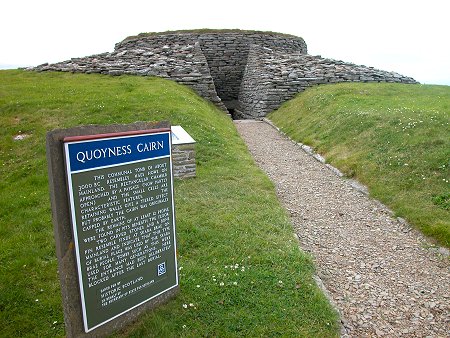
x=409, y=37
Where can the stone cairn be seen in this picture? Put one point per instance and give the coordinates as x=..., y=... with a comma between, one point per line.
x=272, y=78
x=246, y=73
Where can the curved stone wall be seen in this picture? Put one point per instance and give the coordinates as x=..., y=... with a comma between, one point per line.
x=226, y=53
x=183, y=62
x=272, y=78
x=247, y=73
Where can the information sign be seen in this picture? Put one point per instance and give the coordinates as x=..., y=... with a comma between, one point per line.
x=122, y=211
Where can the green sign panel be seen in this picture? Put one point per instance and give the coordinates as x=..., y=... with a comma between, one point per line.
x=121, y=197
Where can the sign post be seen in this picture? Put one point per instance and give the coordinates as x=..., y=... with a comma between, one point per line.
x=121, y=207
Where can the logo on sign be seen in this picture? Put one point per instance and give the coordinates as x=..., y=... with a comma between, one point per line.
x=161, y=269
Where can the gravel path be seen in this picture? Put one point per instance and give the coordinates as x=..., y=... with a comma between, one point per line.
x=384, y=277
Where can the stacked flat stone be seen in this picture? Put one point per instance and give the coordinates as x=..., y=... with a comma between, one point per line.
x=271, y=78
x=225, y=52
x=183, y=156
x=248, y=72
x=227, y=55
x=185, y=63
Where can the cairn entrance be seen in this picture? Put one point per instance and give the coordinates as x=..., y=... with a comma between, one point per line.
x=232, y=113
x=227, y=56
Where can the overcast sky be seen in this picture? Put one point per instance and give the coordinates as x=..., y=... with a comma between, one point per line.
x=409, y=37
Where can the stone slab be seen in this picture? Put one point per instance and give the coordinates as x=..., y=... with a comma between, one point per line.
x=180, y=136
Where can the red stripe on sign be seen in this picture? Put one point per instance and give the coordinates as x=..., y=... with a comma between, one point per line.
x=108, y=135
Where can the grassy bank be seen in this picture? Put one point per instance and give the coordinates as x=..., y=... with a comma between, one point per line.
x=242, y=273
x=394, y=138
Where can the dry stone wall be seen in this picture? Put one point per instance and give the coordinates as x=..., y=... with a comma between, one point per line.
x=249, y=73
x=271, y=78
x=225, y=52
x=227, y=57
x=183, y=156
x=182, y=61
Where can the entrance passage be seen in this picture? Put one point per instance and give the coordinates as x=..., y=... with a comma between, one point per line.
x=232, y=113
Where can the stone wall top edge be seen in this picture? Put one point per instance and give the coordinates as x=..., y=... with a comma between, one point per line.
x=200, y=32
x=267, y=55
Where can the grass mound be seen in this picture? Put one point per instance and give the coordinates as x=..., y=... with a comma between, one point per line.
x=394, y=138
x=241, y=272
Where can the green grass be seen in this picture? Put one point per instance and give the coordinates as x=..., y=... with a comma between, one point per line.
x=393, y=138
x=230, y=226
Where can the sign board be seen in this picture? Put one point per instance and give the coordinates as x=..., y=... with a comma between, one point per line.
x=123, y=219
x=180, y=136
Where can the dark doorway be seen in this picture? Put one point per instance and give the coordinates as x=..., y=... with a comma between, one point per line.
x=232, y=113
